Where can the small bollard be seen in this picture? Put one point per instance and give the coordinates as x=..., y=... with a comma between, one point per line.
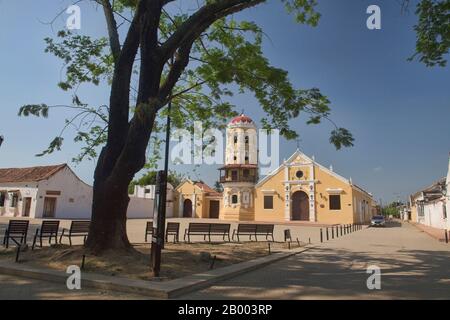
x=17, y=253
x=211, y=266
x=289, y=245
x=298, y=242
x=83, y=259
x=332, y=232
x=269, y=247
x=327, y=234
x=337, y=231
x=341, y=229
x=287, y=235
x=446, y=236
x=321, y=235
x=309, y=240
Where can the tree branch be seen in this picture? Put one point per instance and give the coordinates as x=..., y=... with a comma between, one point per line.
x=201, y=20
x=112, y=29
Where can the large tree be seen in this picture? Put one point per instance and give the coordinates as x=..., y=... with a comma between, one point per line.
x=170, y=52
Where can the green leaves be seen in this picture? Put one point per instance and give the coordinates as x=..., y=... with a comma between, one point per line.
x=303, y=10
x=432, y=32
x=38, y=110
x=85, y=59
x=341, y=137
x=55, y=144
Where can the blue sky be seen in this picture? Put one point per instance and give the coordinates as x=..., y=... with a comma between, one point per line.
x=397, y=110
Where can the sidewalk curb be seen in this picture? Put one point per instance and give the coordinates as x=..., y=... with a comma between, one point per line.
x=437, y=237
x=162, y=290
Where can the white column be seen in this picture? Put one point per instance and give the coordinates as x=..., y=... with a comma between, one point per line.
x=180, y=205
x=253, y=146
x=194, y=204
x=312, y=197
x=240, y=146
x=287, y=196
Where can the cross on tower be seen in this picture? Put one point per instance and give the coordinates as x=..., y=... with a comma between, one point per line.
x=298, y=143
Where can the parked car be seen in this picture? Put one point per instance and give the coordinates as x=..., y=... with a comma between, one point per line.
x=378, y=221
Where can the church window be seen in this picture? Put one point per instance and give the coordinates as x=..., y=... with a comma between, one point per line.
x=299, y=174
x=268, y=202
x=234, y=199
x=335, y=202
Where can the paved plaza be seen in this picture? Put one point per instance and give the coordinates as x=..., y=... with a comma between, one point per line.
x=413, y=265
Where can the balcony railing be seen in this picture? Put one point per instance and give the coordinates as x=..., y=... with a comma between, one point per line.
x=238, y=179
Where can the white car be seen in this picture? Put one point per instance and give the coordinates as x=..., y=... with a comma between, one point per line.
x=378, y=221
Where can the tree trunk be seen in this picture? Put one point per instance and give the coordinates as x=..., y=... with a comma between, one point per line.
x=109, y=216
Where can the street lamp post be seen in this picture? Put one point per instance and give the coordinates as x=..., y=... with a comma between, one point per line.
x=159, y=224
x=1, y=140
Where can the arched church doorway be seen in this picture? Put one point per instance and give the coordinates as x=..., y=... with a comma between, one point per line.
x=300, y=206
x=187, y=208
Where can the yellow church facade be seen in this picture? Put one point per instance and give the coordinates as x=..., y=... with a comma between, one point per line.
x=300, y=189
x=303, y=190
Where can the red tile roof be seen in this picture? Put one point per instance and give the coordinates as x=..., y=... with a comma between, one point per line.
x=204, y=186
x=241, y=119
x=11, y=175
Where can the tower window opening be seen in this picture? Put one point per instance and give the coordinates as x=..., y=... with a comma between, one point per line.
x=234, y=199
x=235, y=139
x=246, y=139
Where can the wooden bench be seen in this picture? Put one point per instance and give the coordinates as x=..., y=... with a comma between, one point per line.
x=17, y=229
x=49, y=229
x=172, y=229
x=244, y=229
x=77, y=229
x=207, y=230
x=265, y=230
x=197, y=229
x=251, y=230
x=219, y=229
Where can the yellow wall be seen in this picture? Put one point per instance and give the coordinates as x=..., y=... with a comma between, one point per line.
x=277, y=213
x=323, y=212
x=186, y=190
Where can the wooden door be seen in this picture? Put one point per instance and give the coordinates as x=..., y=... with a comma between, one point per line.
x=49, y=207
x=187, y=208
x=27, y=207
x=300, y=206
x=214, y=206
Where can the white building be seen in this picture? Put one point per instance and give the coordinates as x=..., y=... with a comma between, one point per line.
x=431, y=205
x=55, y=192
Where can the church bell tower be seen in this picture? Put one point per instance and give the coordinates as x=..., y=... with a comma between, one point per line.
x=240, y=173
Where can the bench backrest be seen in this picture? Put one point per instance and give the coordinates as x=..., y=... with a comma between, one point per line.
x=173, y=227
x=149, y=226
x=220, y=227
x=242, y=227
x=264, y=228
x=50, y=227
x=199, y=227
x=80, y=226
x=18, y=226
